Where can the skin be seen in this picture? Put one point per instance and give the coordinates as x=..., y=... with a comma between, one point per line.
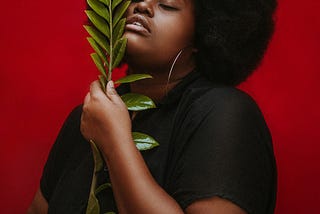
x=106, y=121
x=143, y=55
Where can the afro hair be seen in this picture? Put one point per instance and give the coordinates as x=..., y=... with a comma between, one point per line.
x=231, y=37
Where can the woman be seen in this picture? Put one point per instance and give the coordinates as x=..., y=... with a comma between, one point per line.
x=215, y=153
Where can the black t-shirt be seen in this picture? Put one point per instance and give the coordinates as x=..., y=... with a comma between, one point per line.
x=213, y=142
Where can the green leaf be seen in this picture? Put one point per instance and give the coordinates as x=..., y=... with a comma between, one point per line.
x=98, y=50
x=97, y=157
x=121, y=9
x=106, y=2
x=119, y=51
x=99, y=8
x=99, y=64
x=93, y=206
x=102, y=187
x=137, y=102
x=115, y=3
x=118, y=31
x=103, y=82
x=133, y=78
x=144, y=141
x=98, y=37
x=99, y=22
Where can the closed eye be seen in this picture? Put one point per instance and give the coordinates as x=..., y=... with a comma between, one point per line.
x=168, y=7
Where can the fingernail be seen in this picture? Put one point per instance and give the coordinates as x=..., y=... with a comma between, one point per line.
x=111, y=84
x=111, y=89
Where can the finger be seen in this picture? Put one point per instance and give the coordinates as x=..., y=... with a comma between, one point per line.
x=96, y=90
x=87, y=98
x=111, y=91
x=95, y=86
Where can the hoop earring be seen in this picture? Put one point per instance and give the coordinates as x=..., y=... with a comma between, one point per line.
x=172, y=66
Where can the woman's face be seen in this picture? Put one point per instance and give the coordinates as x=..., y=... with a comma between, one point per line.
x=157, y=30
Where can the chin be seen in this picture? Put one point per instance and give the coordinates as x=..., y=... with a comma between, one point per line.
x=141, y=53
x=138, y=49
x=137, y=38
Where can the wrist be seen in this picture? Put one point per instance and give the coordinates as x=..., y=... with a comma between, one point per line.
x=117, y=147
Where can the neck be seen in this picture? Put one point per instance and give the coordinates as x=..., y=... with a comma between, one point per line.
x=159, y=86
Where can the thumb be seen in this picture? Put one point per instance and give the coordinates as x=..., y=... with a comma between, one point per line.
x=111, y=91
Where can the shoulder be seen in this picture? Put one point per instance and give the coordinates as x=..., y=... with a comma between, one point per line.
x=227, y=99
x=220, y=103
x=232, y=104
x=67, y=149
x=231, y=117
x=226, y=122
x=70, y=137
x=69, y=133
x=202, y=93
x=223, y=142
x=74, y=116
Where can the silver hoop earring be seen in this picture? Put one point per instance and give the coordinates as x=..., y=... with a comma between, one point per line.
x=174, y=63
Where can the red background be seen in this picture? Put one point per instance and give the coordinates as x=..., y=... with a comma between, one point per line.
x=45, y=70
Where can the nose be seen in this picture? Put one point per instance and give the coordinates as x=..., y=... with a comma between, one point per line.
x=144, y=7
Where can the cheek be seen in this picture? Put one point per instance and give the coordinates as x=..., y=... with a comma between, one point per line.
x=175, y=35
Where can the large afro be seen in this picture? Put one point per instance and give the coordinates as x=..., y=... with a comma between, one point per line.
x=231, y=37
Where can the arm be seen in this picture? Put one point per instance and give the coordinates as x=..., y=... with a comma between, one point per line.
x=105, y=120
x=214, y=205
x=39, y=204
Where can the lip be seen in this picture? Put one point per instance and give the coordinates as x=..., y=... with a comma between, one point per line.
x=139, y=24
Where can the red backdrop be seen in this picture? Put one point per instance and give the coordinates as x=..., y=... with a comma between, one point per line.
x=45, y=71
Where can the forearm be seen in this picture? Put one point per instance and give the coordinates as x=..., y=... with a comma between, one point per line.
x=134, y=188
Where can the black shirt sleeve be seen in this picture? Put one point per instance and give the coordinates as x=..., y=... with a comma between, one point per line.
x=229, y=154
x=60, y=153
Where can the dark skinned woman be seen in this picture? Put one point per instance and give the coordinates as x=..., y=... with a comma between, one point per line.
x=215, y=153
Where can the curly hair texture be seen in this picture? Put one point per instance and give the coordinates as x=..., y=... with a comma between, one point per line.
x=232, y=37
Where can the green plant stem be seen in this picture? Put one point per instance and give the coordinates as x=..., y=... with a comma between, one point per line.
x=111, y=42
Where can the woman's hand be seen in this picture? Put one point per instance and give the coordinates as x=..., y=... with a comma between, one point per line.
x=105, y=118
